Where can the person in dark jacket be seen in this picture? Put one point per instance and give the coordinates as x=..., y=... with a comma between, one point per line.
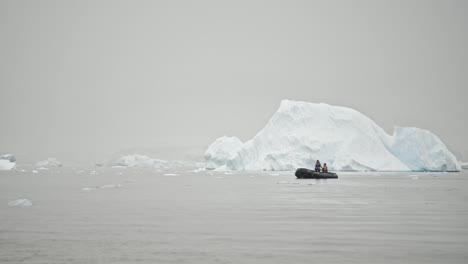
x=318, y=166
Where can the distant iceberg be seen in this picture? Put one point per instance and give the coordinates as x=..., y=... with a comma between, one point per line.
x=300, y=133
x=136, y=160
x=464, y=165
x=7, y=162
x=50, y=162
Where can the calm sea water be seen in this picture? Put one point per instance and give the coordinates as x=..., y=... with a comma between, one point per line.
x=145, y=216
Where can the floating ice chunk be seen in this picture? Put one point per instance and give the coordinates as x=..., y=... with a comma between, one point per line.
x=6, y=165
x=299, y=133
x=50, y=162
x=8, y=157
x=20, y=203
x=7, y=162
x=87, y=189
x=171, y=174
x=109, y=186
x=93, y=172
x=43, y=168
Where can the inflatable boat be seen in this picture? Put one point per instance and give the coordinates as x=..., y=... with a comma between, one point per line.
x=310, y=174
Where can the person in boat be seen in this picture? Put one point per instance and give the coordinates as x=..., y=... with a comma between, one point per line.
x=325, y=168
x=318, y=166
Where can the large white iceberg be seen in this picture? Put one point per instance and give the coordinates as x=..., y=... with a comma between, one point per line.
x=7, y=162
x=300, y=133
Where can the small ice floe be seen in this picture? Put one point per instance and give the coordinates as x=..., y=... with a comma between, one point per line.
x=20, y=203
x=282, y=182
x=35, y=171
x=42, y=168
x=87, y=189
x=7, y=162
x=23, y=170
x=228, y=173
x=171, y=174
x=80, y=171
x=110, y=186
x=93, y=172
x=119, y=173
x=414, y=177
x=49, y=162
x=219, y=177
x=274, y=174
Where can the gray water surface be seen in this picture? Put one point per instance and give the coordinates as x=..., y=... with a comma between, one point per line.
x=145, y=216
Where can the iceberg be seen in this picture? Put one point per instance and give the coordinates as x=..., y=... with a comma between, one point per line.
x=464, y=165
x=299, y=133
x=7, y=162
x=222, y=151
x=136, y=160
x=50, y=162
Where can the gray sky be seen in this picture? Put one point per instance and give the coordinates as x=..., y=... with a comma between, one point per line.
x=84, y=79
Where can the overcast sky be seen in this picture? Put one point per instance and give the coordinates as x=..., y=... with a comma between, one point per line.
x=85, y=79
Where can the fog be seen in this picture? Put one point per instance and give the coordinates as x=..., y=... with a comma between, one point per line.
x=82, y=80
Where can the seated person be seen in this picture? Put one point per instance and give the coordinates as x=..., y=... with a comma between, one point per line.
x=325, y=168
x=318, y=166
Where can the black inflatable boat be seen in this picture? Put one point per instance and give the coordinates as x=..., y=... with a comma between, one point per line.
x=310, y=174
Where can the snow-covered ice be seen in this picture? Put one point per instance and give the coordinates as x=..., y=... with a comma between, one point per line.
x=300, y=133
x=20, y=203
